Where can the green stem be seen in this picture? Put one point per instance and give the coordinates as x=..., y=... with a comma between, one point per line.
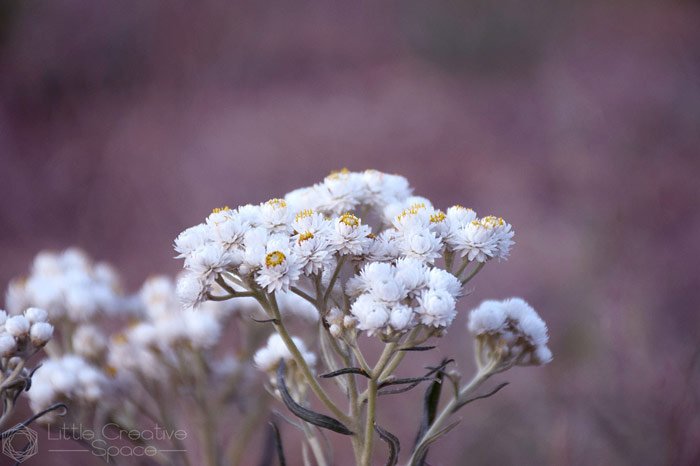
x=446, y=412
x=474, y=272
x=334, y=277
x=372, y=386
x=299, y=359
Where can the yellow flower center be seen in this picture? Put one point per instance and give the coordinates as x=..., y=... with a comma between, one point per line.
x=276, y=203
x=350, y=220
x=220, y=209
x=304, y=236
x=437, y=217
x=303, y=214
x=274, y=258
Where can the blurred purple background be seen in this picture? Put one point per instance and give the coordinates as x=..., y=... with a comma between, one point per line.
x=123, y=123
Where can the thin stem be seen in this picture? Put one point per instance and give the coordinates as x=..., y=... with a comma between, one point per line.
x=446, y=412
x=304, y=295
x=474, y=272
x=372, y=386
x=299, y=359
x=334, y=277
x=461, y=268
x=315, y=445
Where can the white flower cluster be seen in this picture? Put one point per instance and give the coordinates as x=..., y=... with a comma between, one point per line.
x=510, y=332
x=397, y=297
x=23, y=335
x=67, y=285
x=165, y=328
x=274, y=245
x=67, y=378
x=268, y=357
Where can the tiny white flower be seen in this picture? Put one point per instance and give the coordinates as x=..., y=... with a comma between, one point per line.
x=191, y=239
x=41, y=333
x=34, y=315
x=192, y=290
x=437, y=308
x=279, y=272
x=8, y=345
x=17, y=326
x=350, y=236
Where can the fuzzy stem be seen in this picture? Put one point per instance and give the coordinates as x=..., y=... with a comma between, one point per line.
x=299, y=359
x=372, y=386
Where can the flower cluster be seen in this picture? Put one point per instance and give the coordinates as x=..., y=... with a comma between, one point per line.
x=267, y=357
x=509, y=333
x=276, y=245
x=396, y=297
x=69, y=377
x=25, y=334
x=68, y=286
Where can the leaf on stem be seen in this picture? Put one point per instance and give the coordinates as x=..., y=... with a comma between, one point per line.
x=278, y=443
x=460, y=404
x=414, y=382
x=392, y=441
x=418, y=348
x=307, y=415
x=431, y=399
x=265, y=321
x=420, y=455
x=347, y=370
x=411, y=380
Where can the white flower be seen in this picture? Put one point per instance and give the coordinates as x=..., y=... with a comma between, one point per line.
x=340, y=192
x=372, y=315
x=412, y=273
x=202, y=330
x=192, y=290
x=279, y=272
x=313, y=251
x=211, y=259
x=370, y=273
x=191, y=239
x=382, y=189
x=437, y=308
x=8, y=345
x=439, y=279
x=350, y=236
x=302, y=199
x=227, y=227
x=484, y=239
x=275, y=216
x=401, y=318
x=3, y=317
x=41, y=333
x=17, y=326
x=421, y=244
x=268, y=357
x=511, y=332
x=89, y=342
x=34, y=315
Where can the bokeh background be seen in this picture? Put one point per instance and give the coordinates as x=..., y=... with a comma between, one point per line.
x=122, y=123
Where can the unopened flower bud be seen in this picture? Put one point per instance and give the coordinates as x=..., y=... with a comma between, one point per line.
x=41, y=333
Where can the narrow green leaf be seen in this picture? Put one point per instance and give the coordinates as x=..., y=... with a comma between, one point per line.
x=307, y=415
